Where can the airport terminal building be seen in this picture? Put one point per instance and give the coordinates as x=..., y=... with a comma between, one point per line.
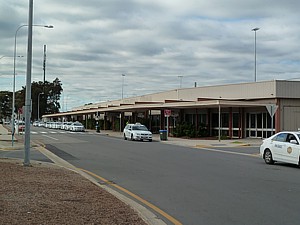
x=241, y=110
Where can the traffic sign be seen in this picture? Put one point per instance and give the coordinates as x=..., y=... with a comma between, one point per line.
x=167, y=112
x=272, y=109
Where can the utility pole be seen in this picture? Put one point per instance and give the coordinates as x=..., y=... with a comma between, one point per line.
x=44, y=67
x=255, y=29
x=28, y=101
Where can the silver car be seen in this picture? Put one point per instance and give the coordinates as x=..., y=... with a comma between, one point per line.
x=137, y=132
x=76, y=126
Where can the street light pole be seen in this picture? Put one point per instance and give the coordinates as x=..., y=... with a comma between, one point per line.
x=14, y=89
x=14, y=77
x=38, y=115
x=180, y=81
x=255, y=29
x=123, y=75
x=28, y=88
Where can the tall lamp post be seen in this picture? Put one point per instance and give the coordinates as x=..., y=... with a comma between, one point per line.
x=180, y=81
x=14, y=77
x=123, y=75
x=38, y=115
x=255, y=29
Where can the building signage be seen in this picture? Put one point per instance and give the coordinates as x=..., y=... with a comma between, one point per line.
x=167, y=112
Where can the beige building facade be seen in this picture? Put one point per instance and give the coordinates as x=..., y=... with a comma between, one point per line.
x=233, y=110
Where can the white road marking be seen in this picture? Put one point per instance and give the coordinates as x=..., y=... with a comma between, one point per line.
x=50, y=137
x=229, y=152
x=58, y=132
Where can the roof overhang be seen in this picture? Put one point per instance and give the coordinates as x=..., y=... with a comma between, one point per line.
x=162, y=106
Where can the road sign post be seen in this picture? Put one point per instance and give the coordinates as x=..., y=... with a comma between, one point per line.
x=272, y=110
x=167, y=113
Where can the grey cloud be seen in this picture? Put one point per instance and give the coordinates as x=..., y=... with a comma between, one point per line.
x=152, y=42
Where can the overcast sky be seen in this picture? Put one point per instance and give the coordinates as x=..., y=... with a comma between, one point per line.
x=158, y=44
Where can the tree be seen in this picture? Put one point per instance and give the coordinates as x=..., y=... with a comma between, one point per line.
x=5, y=105
x=53, y=91
x=46, y=95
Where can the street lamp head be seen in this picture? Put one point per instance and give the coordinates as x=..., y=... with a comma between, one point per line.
x=123, y=75
x=19, y=56
x=255, y=29
x=49, y=26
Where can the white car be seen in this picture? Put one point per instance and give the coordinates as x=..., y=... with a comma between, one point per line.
x=57, y=125
x=66, y=125
x=76, y=126
x=137, y=132
x=281, y=147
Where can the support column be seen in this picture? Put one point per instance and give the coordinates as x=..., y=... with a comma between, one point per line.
x=230, y=123
x=162, y=120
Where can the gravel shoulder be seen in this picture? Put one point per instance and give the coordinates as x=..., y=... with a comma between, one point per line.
x=48, y=194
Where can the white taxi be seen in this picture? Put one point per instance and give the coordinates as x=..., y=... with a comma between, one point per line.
x=137, y=132
x=282, y=147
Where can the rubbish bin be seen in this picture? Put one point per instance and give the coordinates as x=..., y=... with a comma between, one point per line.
x=98, y=129
x=163, y=135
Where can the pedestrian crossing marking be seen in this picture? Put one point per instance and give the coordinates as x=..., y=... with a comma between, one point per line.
x=57, y=132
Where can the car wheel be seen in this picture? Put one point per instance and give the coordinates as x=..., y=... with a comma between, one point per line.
x=125, y=138
x=131, y=137
x=268, y=157
x=150, y=140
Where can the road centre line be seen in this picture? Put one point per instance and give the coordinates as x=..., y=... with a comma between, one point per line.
x=153, y=207
x=228, y=152
x=89, y=175
x=50, y=137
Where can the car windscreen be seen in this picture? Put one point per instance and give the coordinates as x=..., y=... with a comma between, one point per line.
x=139, y=128
x=280, y=137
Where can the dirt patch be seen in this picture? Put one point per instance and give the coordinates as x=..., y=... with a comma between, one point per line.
x=46, y=194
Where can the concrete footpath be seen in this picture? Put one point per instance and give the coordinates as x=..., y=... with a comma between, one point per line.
x=196, y=142
x=6, y=140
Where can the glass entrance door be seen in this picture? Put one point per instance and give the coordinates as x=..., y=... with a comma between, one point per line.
x=255, y=125
x=259, y=125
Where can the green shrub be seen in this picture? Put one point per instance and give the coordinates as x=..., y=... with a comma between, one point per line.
x=189, y=130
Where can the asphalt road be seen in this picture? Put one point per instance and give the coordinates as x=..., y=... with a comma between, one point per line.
x=194, y=186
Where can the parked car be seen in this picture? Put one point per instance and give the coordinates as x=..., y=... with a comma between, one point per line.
x=76, y=126
x=19, y=126
x=137, y=132
x=66, y=125
x=57, y=125
x=49, y=125
x=41, y=124
x=281, y=147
